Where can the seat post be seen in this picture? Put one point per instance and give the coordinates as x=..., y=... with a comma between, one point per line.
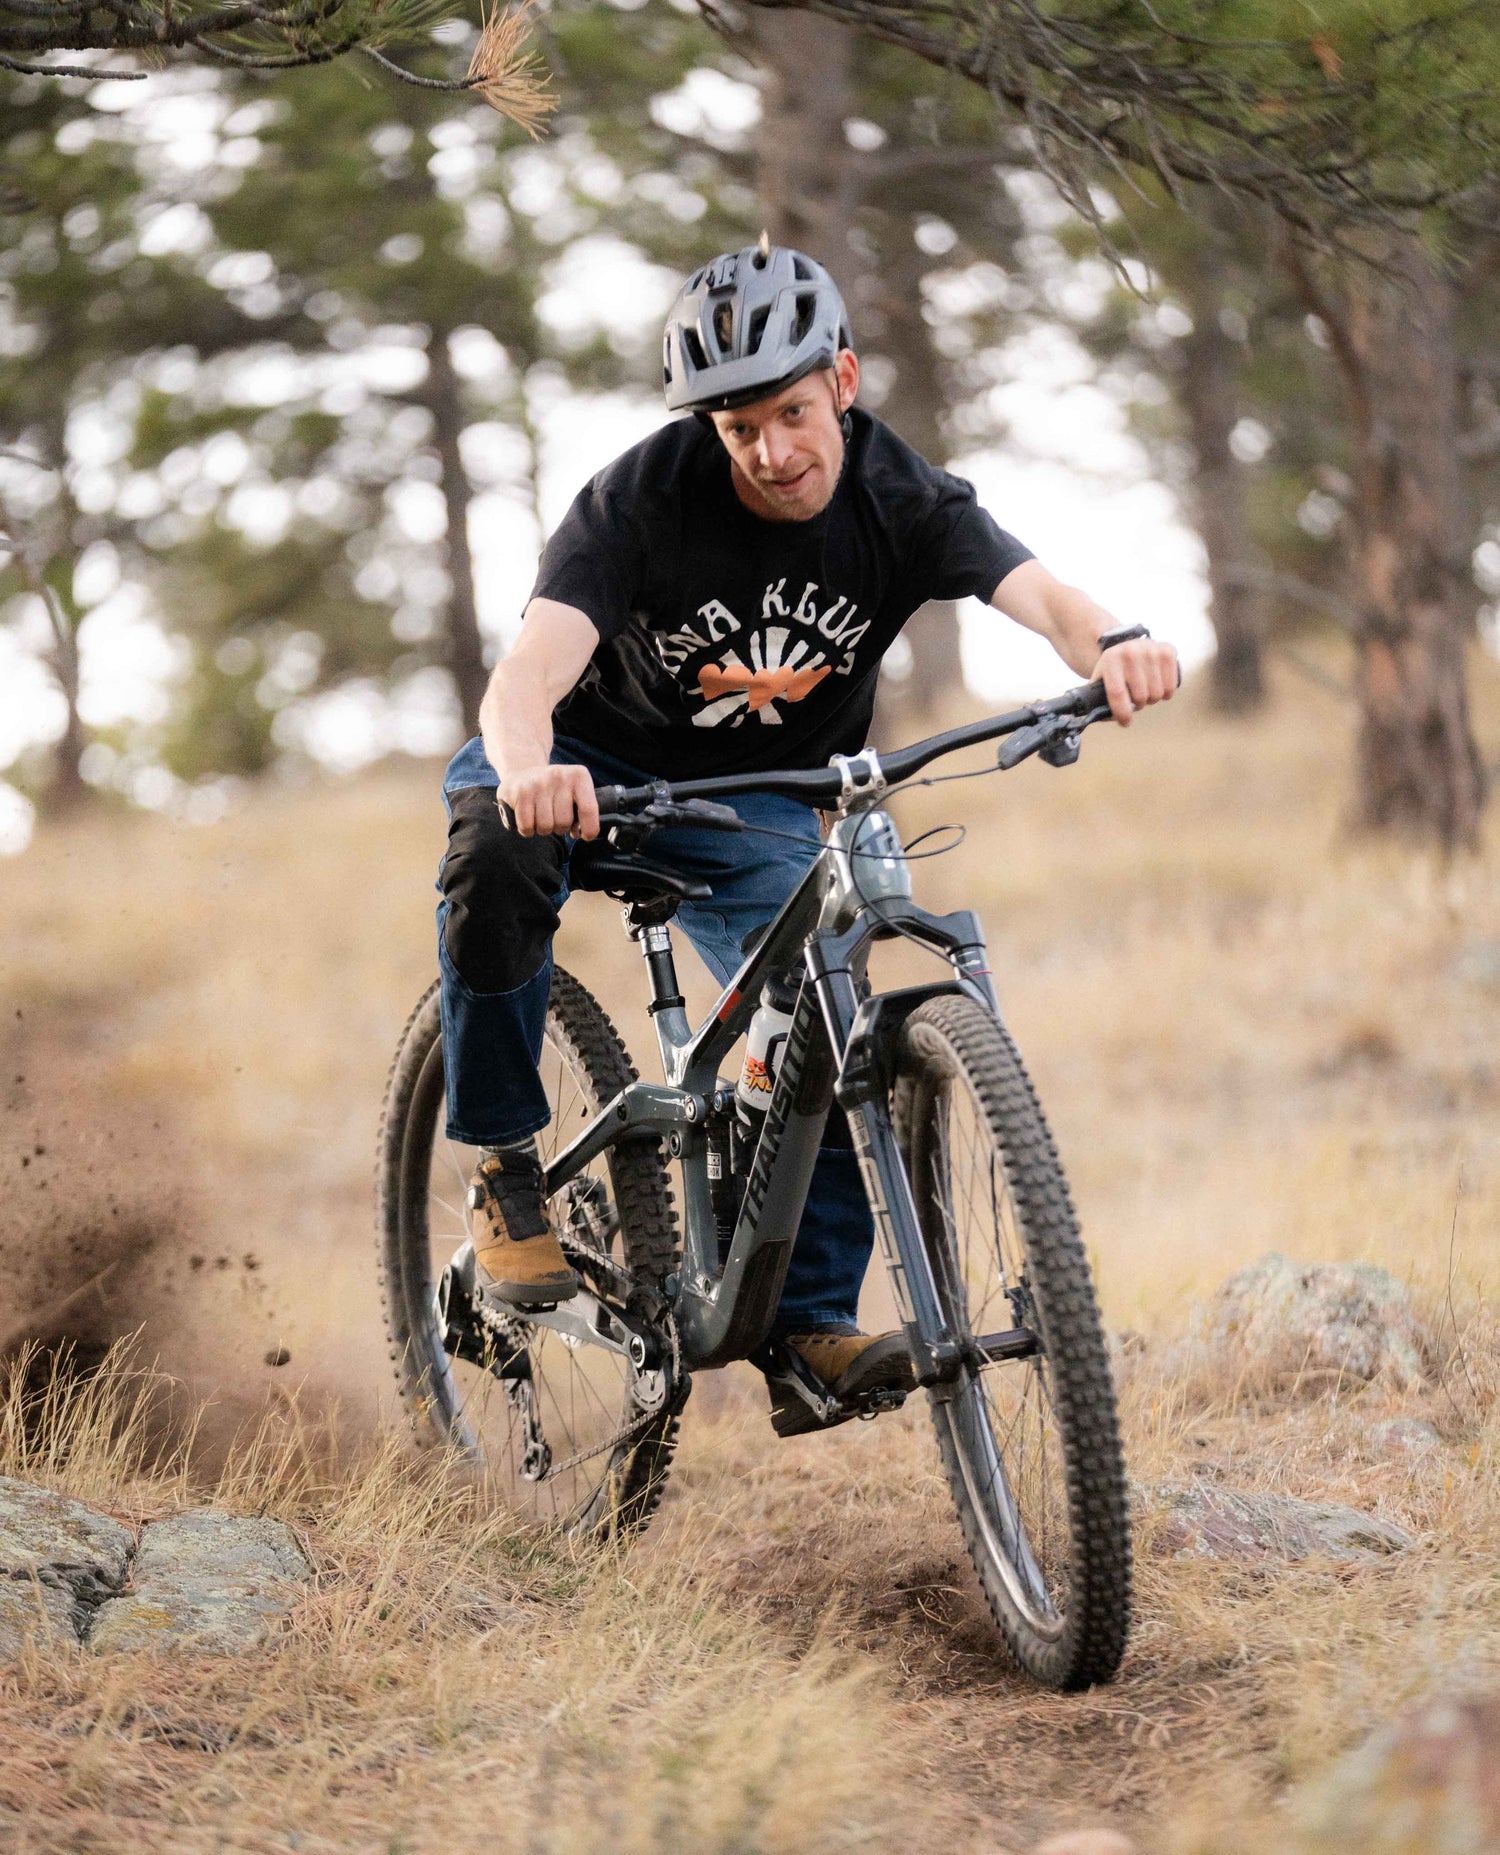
x=646, y=922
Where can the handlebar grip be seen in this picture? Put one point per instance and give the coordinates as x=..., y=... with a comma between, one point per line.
x=608, y=797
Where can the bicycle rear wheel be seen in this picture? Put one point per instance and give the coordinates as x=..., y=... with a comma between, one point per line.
x=541, y=1416
x=1030, y=1444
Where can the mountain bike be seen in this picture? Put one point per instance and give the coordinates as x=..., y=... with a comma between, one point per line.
x=573, y=1411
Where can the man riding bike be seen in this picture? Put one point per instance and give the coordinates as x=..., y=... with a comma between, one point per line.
x=716, y=600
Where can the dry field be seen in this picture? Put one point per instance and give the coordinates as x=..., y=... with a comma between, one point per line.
x=1249, y=1035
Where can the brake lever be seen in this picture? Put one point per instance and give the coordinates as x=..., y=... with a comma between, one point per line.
x=1064, y=749
x=1057, y=739
x=1024, y=742
x=658, y=813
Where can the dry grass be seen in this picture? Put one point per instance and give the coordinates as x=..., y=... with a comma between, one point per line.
x=446, y=1683
x=1249, y=1034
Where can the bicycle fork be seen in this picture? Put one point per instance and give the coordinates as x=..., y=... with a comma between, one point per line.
x=868, y=1032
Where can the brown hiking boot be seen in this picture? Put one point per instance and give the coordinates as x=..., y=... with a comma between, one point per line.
x=518, y=1261
x=851, y=1363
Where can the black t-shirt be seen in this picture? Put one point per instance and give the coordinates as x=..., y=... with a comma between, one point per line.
x=732, y=644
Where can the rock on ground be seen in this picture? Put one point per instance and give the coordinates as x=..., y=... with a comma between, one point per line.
x=1408, y=1436
x=31, y=1611
x=58, y=1561
x=1086, y=1842
x=1204, y=1521
x=204, y=1580
x=1286, y=1317
x=1428, y=1781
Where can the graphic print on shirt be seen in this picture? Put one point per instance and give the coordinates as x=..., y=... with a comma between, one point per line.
x=777, y=661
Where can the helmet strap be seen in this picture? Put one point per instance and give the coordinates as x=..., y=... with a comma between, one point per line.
x=840, y=410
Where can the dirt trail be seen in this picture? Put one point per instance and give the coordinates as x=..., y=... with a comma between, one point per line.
x=1243, y=1042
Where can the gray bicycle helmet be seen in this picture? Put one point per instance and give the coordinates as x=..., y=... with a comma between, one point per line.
x=749, y=324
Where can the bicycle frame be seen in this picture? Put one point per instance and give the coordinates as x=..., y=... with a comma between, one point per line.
x=840, y=1044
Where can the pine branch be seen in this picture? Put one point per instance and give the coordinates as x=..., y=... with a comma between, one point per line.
x=253, y=35
x=1294, y=124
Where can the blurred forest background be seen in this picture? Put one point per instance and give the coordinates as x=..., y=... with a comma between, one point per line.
x=295, y=368
x=282, y=353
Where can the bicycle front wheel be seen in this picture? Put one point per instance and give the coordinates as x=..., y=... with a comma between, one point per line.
x=1030, y=1444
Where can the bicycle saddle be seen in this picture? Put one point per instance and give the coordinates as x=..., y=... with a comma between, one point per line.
x=598, y=865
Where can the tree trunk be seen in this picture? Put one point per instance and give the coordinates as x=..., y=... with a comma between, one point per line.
x=1208, y=382
x=443, y=397
x=1419, y=767
x=811, y=186
x=914, y=409
x=67, y=790
x=806, y=179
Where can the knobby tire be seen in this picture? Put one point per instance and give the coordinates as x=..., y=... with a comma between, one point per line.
x=954, y=1052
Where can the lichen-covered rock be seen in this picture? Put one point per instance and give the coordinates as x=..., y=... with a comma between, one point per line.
x=1200, y=1520
x=206, y=1581
x=1404, y=1436
x=41, y=1530
x=32, y=1611
x=1086, y=1842
x=1280, y=1317
x=1427, y=1782
x=54, y=1545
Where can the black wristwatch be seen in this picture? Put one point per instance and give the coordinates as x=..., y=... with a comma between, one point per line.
x=1122, y=634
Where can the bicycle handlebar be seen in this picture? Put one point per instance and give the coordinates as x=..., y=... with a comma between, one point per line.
x=814, y=784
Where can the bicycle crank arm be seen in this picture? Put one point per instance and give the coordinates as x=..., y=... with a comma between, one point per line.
x=585, y=1320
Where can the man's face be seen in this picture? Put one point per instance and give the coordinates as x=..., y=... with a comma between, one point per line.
x=786, y=450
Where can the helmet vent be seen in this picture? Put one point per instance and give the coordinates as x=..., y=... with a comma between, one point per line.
x=757, y=329
x=806, y=309
x=666, y=357
x=694, y=348
x=802, y=270
x=724, y=326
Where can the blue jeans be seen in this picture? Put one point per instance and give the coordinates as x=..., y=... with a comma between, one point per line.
x=501, y=894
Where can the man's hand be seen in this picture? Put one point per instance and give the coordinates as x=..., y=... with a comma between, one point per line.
x=551, y=800
x=1134, y=674
x=1137, y=674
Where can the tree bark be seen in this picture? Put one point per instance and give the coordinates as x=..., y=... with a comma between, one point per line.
x=67, y=790
x=443, y=397
x=1208, y=382
x=914, y=409
x=811, y=185
x=806, y=179
x=1419, y=767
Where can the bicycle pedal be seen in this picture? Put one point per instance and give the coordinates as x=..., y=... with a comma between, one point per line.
x=876, y=1403
x=792, y=1415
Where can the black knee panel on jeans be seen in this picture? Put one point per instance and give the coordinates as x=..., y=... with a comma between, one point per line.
x=501, y=891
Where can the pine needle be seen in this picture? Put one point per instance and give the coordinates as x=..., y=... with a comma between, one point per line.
x=512, y=77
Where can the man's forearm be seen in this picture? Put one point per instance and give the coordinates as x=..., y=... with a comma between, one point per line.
x=1075, y=623
x=515, y=718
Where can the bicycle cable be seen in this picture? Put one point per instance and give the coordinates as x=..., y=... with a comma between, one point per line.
x=876, y=856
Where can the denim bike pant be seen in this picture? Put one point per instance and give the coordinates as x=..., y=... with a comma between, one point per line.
x=501, y=897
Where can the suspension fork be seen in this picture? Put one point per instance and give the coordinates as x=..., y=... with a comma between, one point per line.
x=861, y=1032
